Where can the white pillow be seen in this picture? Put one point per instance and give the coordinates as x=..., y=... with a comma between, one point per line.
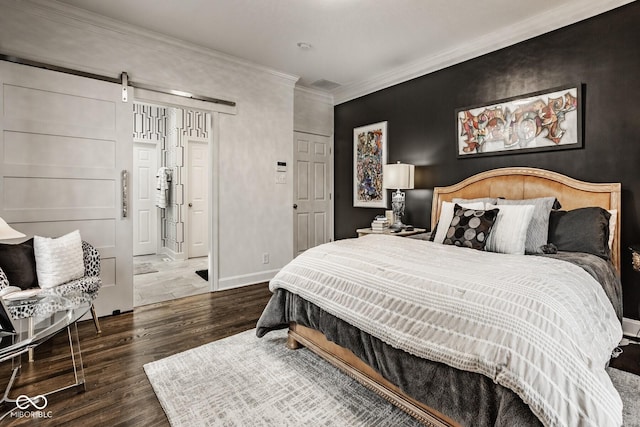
x=446, y=215
x=509, y=233
x=58, y=260
x=612, y=226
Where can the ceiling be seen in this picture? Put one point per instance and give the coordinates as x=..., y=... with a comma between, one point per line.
x=360, y=45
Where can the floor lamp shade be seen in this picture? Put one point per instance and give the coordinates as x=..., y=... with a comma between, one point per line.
x=6, y=232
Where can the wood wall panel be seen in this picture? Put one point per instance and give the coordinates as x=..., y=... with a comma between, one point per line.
x=37, y=149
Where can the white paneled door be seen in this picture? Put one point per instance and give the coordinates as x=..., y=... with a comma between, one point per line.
x=197, y=204
x=64, y=142
x=144, y=212
x=312, y=191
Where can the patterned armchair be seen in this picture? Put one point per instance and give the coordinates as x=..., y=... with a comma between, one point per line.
x=78, y=291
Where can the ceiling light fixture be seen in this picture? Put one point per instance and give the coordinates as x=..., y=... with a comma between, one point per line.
x=304, y=45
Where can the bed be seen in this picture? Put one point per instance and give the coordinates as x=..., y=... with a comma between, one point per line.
x=422, y=353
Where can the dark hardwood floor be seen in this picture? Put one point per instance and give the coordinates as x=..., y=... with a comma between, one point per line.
x=118, y=391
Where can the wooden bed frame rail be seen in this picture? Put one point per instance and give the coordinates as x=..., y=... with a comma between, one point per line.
x=354, y=367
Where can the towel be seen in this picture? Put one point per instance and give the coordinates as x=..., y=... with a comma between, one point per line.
x=162, y=187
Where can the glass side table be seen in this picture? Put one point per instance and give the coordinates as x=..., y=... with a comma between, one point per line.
x=50, y=315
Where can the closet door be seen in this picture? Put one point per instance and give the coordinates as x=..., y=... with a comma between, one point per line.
x=64, y=142
x=312, y=191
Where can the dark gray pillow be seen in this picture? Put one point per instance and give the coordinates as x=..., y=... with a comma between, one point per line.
x=581, y=230
x=19, y=264
x=470, y=227
x=538, y=230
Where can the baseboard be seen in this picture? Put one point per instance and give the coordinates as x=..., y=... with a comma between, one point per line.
x=631, y=327
x=245, y=279
x=172, y=254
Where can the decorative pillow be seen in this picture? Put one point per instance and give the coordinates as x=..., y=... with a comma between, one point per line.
x=446, y=215
x=581, y=230
x=19, y=265
x=4, y=281
x=491, y=200
x=538, y=231
x=612, y=226
x=470, y=227
x=509, y=233
x=432, y=234
x=58, y=260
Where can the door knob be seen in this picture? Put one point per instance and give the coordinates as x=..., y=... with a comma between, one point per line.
x=190, y=205
x=295, y=206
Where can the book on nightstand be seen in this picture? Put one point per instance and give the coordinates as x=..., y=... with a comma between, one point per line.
x=380, y=224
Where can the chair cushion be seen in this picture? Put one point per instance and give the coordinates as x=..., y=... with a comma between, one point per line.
x=90, y=285
x=76, y=292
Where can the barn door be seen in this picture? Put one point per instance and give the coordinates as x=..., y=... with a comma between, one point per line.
x=64, y=143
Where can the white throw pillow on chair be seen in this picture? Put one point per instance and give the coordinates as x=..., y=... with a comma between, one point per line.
x=58, y=260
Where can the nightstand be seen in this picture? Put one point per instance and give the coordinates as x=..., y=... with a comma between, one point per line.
x=364, y=231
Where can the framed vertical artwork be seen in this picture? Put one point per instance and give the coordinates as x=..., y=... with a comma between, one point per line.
x=539, y=121
x=369, y=154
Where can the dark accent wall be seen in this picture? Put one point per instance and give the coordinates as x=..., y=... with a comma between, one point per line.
x=602, y=53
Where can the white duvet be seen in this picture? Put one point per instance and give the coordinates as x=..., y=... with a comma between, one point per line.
x=541, y=327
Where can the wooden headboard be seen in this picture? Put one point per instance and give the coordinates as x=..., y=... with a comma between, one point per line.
x=528, y=183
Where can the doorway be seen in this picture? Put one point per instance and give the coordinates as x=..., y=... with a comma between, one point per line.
x=176, y=187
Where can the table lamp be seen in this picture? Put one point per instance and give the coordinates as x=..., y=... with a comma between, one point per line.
x=6, y=232
x=398, y=176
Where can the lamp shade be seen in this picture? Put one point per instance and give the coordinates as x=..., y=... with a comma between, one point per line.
x=6, y=232
x=398, y=176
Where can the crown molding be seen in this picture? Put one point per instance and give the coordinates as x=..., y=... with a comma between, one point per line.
x=534, y=26
x=318, y=95
x=70, y=15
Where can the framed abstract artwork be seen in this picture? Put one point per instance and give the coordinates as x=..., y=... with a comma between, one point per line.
x=369, y=154
x=539, y=121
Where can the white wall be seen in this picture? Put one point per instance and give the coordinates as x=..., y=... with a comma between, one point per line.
x=313, y=112
x=254, y=213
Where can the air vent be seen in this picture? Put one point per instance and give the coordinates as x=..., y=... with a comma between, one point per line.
x=325, y=84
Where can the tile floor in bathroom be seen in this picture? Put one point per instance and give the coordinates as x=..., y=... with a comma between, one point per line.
x=166, y=279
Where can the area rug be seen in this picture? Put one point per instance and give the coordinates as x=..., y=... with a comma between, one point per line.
x=243, y=380
x=246, y=381
x=143, y=268
x=204, y=274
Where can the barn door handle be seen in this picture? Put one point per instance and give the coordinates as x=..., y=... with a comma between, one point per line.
x=125, y=193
